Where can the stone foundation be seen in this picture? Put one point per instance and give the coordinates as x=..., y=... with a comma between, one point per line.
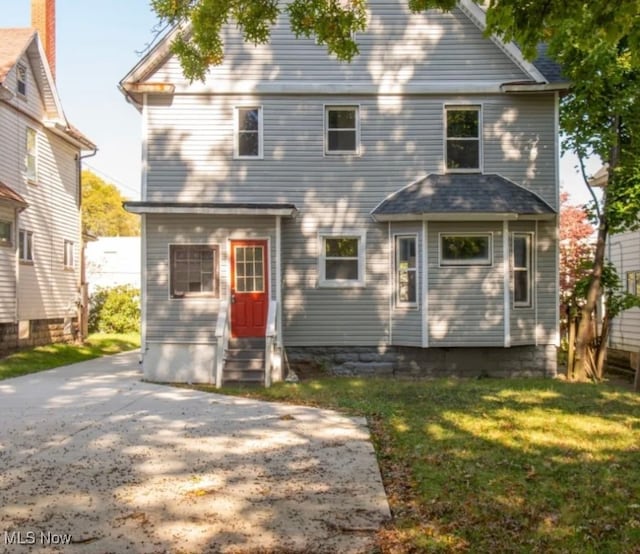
x=36, y=332
x=404, y=361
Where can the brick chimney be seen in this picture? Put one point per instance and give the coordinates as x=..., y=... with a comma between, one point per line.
x=43, y=20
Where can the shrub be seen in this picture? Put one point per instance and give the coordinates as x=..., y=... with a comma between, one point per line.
x=115, y=310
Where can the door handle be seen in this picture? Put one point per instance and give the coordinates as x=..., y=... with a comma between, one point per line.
x=233, y=298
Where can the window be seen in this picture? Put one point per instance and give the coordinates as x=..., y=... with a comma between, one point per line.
x=25, y=245
x=31, y=157
x=341, y=124
x=194, y=270
x=472, y=249
x=21, y=78
x=5, y=233
x=406, y=271
x=463, y=138
x=342, y=260
x=633, y=282
x=68, y=254
x=522, y=270
x=248, y=126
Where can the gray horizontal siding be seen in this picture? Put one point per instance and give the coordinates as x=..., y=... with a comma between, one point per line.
x=397, y=46
x=7, y=272
x=624, y=253
x=190, y=149
x=466, y=304
x=547, y=284
x=193, y=319
x=315, y=315
x=523, y=320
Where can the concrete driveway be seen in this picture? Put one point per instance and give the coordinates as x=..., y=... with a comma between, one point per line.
x=93, y=457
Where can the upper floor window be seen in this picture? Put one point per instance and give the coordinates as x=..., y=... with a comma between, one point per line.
x=194, y=270
x=31, y=155
x=68, y=254
x=463, y=138
x=248, y=132
x=342, y=130
x=342, y=260
x=5, y=233
x=21, y=78
x=522, y=269
x=25, y=245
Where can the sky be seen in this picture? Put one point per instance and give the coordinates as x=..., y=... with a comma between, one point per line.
x=98, y=42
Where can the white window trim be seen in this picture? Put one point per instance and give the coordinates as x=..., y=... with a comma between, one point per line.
x=464, y=263
x=398, y=303
x=361, y=235
x=340, y=107
x=464, y=107
x=236, y=132
x=69, y=254
x=30, y=179
x=529, y=236
x=23, y=240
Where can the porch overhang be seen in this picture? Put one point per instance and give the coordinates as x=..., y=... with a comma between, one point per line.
x=212, y=208
x=462, y=197
x=11, y=197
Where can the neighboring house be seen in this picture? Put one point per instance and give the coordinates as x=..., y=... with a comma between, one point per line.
x=395, y=214
x=40, y=241
x=623, y=251
x=113, y=261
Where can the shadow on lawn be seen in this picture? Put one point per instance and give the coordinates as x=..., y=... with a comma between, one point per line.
x=512, y=466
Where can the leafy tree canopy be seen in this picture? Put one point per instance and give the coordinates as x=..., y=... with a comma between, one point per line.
x=102, y=211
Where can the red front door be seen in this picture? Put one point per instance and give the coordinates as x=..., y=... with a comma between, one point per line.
x=249, y=282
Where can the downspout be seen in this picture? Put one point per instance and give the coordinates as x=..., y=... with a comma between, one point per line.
x=83, y=292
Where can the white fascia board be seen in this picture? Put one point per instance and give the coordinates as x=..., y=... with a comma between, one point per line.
x=476, y=14
x=432, y=216
x=535, y=87
x=205, y=210
x=339, y=87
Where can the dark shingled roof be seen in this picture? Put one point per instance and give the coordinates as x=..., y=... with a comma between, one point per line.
x=463, y=193
x=548, y=67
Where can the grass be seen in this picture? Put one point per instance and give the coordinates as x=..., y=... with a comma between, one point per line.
x=55, y=355
x=496, y=465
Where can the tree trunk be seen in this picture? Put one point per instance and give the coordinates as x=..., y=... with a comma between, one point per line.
x=584, y=367
x=601, y=348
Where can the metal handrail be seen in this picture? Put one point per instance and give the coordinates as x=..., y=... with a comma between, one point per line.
x=222, y=339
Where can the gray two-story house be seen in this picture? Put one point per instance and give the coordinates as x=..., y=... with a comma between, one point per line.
x=393, y=214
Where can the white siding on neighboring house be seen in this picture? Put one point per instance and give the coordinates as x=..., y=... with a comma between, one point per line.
x=113, y=261
x=47, y=289
x=624, y=253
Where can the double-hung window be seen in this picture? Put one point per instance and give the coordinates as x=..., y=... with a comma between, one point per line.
x=633, y=282
x=342, y=259
x=406, y=272
x=68, y=260
x=248, y=132
x=342, y=130
x=5, y=233
x=31, y=155
x=463, y=138
x=522, y=262
x=194, y=270
x=25, y=245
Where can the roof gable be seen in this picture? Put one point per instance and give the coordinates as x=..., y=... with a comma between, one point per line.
x=400, y=52
x=24, y=44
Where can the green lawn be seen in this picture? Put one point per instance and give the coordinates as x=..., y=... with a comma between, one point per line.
x=496, y=465
x=55, y=355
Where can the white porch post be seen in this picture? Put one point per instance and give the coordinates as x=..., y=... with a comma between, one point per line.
x=279, y=278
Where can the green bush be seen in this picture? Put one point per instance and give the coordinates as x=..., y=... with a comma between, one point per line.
x=115, y=310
